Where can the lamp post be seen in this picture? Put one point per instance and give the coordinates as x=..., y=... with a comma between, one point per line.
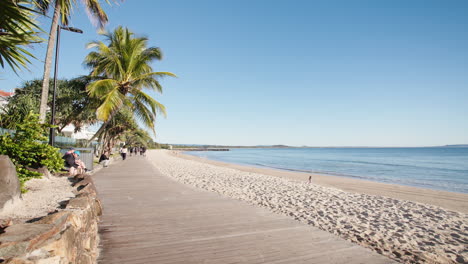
x=57, y=46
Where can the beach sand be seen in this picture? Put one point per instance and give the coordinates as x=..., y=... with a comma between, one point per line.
x=43, y=197
x=402, y=223
x=448, y=200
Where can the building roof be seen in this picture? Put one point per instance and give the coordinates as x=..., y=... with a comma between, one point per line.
x=3, y=93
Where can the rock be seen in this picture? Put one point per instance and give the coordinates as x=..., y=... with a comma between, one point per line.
x=20, y=238
x=44, y=171
x=10, y=190
x=19, y=261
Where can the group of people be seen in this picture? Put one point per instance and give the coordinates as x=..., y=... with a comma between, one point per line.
x=76, y=166
x=133, y=150
x=137, y=150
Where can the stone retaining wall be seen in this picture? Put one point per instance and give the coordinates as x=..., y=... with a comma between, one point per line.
x=66, y=236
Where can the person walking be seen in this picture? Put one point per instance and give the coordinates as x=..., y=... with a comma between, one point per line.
x=123, y=152
x=137, y=149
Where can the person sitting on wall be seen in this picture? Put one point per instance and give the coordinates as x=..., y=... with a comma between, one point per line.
x=73, y=163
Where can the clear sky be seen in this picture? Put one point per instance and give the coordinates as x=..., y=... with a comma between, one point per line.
x=317, y=73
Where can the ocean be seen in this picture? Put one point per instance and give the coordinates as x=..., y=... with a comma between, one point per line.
x=432, y=168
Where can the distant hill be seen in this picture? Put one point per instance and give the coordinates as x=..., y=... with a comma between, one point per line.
x=225, y=146
x=455, y=146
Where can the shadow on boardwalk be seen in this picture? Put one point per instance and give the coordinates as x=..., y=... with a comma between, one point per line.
x=149, y=218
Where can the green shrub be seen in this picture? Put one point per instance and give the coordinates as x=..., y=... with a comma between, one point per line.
x=27, y=150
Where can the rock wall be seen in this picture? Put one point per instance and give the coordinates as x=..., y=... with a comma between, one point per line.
x=66, y=236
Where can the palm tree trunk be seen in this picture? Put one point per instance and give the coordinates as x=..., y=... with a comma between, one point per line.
x=104, y=141
x=48, y=62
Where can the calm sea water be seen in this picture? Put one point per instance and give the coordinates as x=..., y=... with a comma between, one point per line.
x=434, y=168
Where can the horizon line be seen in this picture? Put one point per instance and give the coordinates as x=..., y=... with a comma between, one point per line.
x=305, y=146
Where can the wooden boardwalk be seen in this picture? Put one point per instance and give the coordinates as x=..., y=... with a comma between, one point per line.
x=149, y=218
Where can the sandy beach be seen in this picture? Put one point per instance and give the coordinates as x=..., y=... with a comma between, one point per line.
x=448, y=200
x=403, y=223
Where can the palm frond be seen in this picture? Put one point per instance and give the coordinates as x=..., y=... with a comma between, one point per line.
x=95, y=12
x=18, y=29
x=101, y=88
x=112, y=101
x=154, y=105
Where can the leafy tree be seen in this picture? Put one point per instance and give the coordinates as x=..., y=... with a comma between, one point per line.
x=123, y=66
x=73, y=104
x=27, y=150
x=62, y=12
x=18, y=28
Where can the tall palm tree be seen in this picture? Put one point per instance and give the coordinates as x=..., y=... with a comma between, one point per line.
x=62, y=11
x=18, y=28
x=123, y=66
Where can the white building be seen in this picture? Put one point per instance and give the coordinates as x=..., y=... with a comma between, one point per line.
x=84, y=133
x=3, y=98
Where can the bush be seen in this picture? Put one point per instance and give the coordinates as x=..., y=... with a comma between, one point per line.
x=27, y=150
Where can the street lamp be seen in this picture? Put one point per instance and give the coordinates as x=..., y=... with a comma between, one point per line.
x=57, y=45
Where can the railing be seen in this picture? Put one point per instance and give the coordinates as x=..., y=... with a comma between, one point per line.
x=60, y=140
x=65, y=141
x=87, y=154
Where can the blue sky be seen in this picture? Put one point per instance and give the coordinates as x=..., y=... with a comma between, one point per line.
x=317, y=73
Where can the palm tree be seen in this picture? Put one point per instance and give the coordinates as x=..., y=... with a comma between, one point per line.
x=62, y=11
x=137, y=137
x=18, y=28
x=122, y=123
x=123, y=66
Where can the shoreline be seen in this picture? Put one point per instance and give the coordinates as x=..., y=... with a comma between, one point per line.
x=447, y=200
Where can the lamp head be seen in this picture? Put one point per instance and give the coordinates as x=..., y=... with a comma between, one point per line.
x=72, y=29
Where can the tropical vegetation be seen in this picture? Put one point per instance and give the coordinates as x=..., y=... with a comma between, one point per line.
x=62, y=11
x=18, y=29
x=115, y=94
x=73, y=104
x=123, y=70
x=27, y=150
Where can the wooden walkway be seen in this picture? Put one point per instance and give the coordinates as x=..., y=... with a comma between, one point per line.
x=149, y=218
